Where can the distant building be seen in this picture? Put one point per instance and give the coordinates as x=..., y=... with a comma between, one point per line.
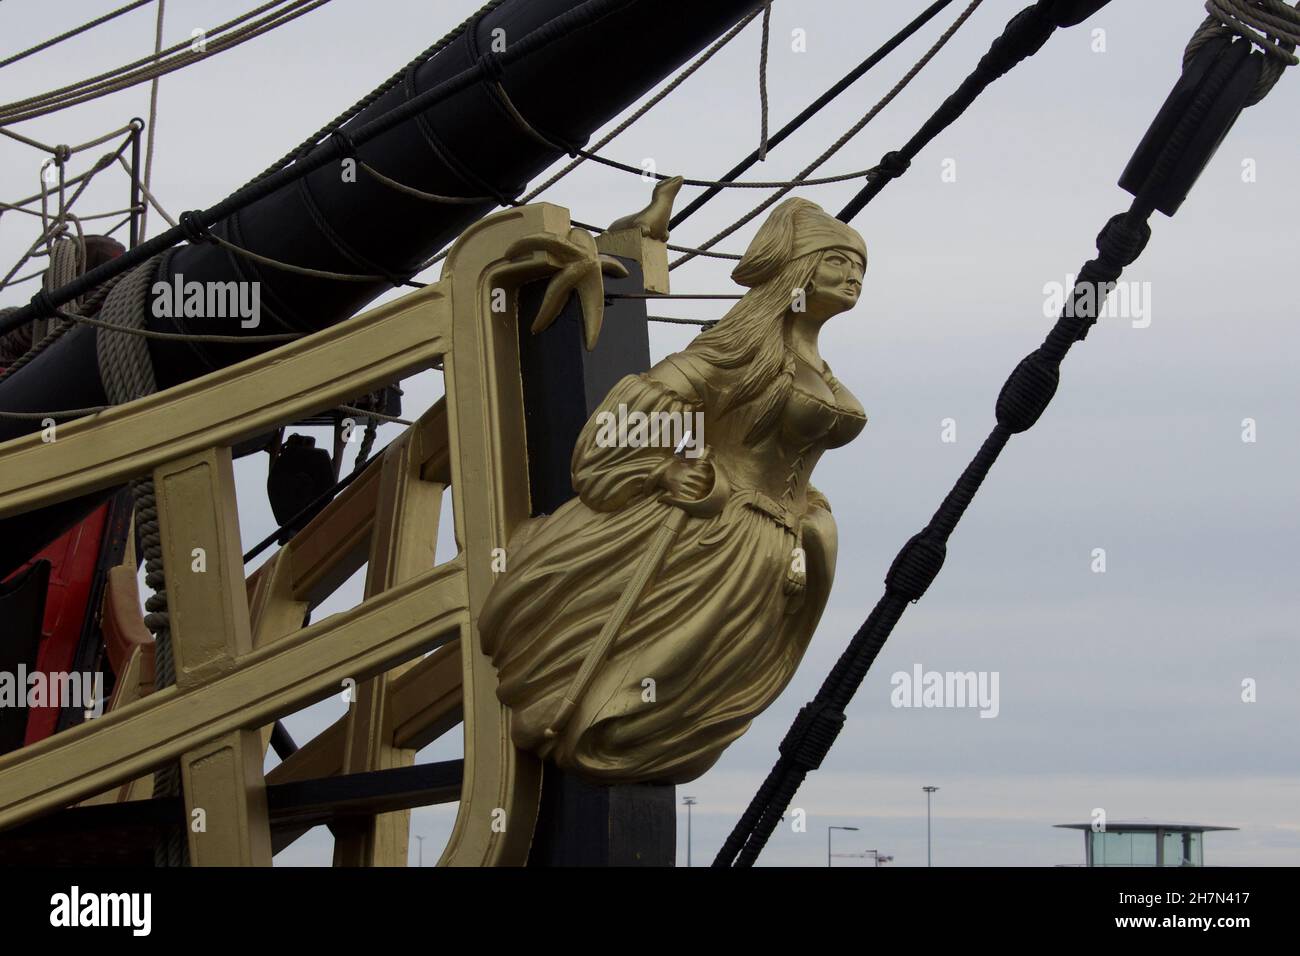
x=1144, y=843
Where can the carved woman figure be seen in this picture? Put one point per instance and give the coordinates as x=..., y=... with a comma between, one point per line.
x=724, y=620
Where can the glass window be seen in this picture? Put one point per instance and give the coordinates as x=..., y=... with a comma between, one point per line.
x=1182, y=848
x=1123, y=848
x=1144, y=849
x=1117, y=849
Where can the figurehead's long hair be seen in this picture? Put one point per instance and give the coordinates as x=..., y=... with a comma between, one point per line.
x=780, y=261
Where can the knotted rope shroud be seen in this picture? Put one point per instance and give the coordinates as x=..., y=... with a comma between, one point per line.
x=1022, y=400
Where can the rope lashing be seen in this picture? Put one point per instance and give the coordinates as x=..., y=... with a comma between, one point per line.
x=892, y=165
x=343, y=142
x=193, y=228
x=1271, y=25
x=195, y=231
x=1205, y=117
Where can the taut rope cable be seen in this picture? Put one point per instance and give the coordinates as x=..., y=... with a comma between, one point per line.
x=622, y=127
x=153, y=119
x=554, y=142
x=75, y=31
x=1023, y=399
x=762, y=79
x=329, y=152
x=1023, y=36
x=118, y=72
x=149, y=196
x=839, y=143
x=126, y=77
x=813, y=108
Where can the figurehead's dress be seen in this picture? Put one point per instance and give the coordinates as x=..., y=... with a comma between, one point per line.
x=722, y=626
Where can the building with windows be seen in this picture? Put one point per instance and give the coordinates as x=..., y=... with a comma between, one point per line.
x=1144, y=843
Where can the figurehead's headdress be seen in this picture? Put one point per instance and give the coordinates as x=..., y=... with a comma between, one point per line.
x=795, y=228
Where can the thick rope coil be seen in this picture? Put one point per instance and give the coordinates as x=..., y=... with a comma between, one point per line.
x=1271, y=25
x=126, y=369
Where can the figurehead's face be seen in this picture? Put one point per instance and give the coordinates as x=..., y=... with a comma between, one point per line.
x=836, y=283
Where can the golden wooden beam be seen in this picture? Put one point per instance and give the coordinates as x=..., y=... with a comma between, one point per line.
x=267, y=683
x=489, y=472
x=243, y=400
x=423, y=704
x=402, y=545
x=225, y=795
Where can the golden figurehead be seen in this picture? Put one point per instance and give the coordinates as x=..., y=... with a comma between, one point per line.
x=718, y=618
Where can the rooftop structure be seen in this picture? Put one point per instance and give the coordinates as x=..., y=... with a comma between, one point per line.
x=1144, y=842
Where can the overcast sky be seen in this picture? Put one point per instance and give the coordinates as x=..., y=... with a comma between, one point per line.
x=1119, y=690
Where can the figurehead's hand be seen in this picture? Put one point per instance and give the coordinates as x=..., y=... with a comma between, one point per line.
x=687, y=479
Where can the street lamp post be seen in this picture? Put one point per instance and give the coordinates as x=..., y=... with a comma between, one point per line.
x=689, y=802
x=828, y=841
x=421, y=839
x=929, y=791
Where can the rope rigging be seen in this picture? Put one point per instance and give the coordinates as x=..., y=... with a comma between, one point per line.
x=1024, y=35
x=811, y=110
x=311, y=142
x=333, y=149
x=75, y=31
x=642, y=110
x=1216, y=84
x=53, y=227
x=713, y=187
x=195, y=230
x=224, y=37
x=839, y=143
x=147, y=179
x=1217, y=59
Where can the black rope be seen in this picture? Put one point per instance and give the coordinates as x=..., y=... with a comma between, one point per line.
x=1023, y=399
x=585, y=13
x=812, y=109
x=1023, y=36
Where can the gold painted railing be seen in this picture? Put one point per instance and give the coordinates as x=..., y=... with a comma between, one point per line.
x=243, y=659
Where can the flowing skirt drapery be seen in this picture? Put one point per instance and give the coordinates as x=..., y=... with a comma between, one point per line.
x=710, y=643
